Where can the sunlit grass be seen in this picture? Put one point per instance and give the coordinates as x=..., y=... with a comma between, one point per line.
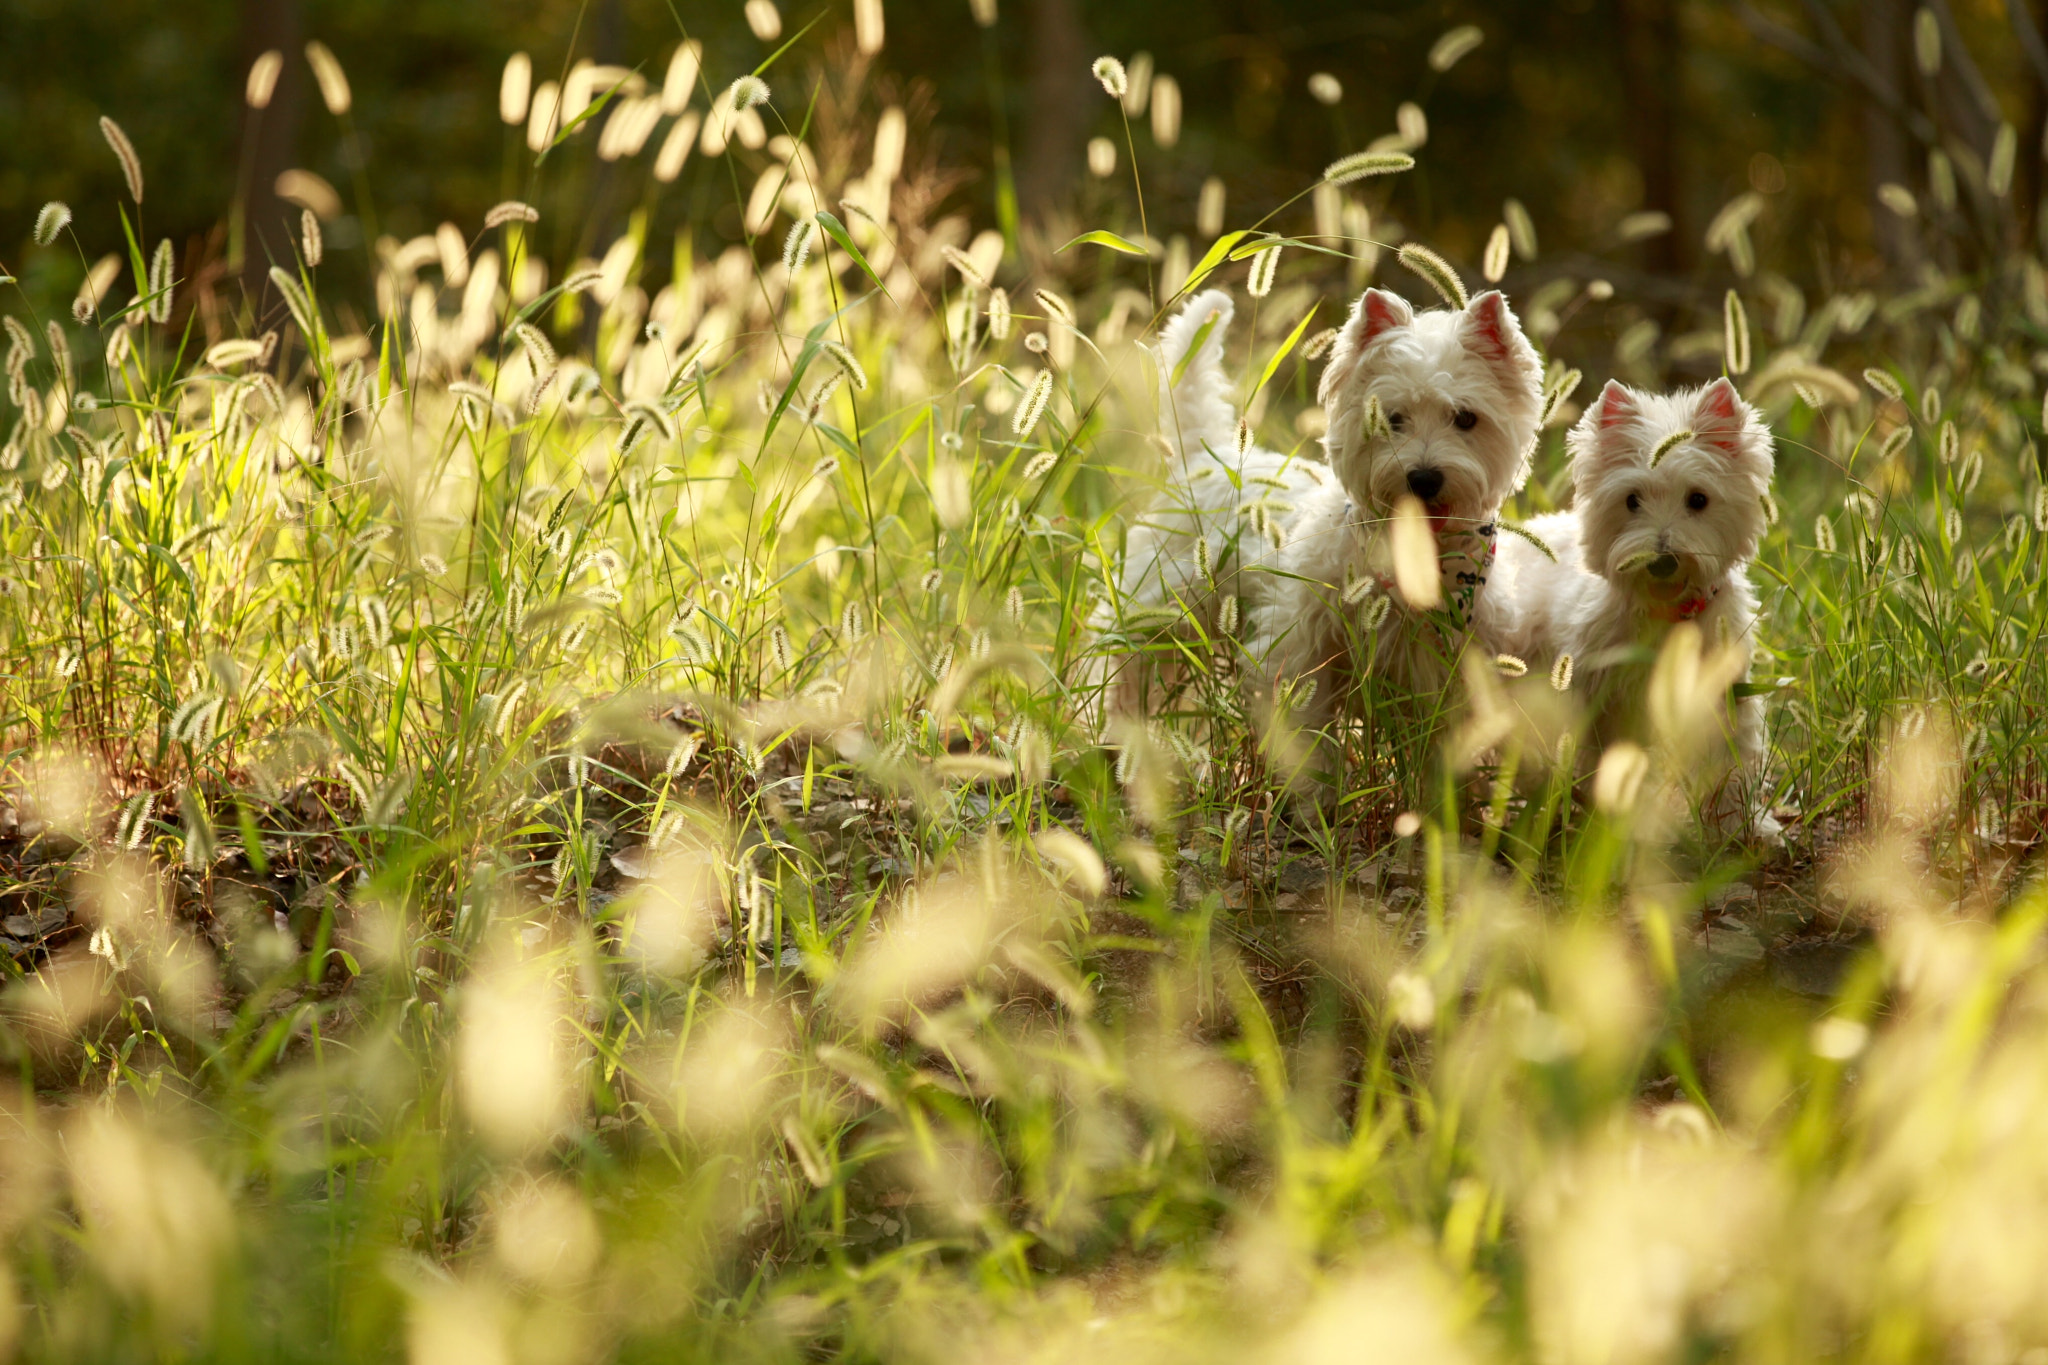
x=574, y=820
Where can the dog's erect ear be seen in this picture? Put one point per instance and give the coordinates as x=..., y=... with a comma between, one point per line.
x=1615, y=406
x=1491, y=331
x=1718, y=418
x=1490, y=327
x=1606, y=434
x=1376, y=314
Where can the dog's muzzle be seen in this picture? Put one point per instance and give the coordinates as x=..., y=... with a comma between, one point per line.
x=1663, y=566
x=1425, y=483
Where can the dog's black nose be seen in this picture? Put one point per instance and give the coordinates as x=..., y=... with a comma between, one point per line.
x=1425, y=483
x=1663, y=566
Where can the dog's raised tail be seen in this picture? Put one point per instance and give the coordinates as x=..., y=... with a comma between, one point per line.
x=1195, y=411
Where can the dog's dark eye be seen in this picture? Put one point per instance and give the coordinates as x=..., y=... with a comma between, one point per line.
x=1466, y=420
x=1397, y=420
x=1634, y=503
x=1696, y=501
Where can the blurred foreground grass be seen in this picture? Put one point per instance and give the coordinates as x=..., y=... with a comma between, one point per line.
x=562, y=824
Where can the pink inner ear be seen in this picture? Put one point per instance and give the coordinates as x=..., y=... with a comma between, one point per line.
x=1383, y=314
x=1718, y=417
x=1487, y=324
x=1617, y=405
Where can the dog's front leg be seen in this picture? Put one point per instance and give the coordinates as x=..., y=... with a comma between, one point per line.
x=1305, y=678
x=1750, y=778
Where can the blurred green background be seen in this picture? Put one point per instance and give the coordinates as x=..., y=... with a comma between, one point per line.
x=1586, y=110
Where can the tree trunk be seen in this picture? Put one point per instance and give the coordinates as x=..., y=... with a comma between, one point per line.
x=608, y=48
x=2028, y=183
x=1058, y=112
x=1888, y=157
x=1652, y=89
x=269, y=143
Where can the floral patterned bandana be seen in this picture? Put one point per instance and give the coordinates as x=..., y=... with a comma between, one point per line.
x=1464, y=559
x=1684, y=609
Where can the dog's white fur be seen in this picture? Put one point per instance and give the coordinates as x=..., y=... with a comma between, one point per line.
x=1324, y=527
x=1635, y=554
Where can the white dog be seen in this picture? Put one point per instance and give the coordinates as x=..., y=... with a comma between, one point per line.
x=1441, y=407
x=1667, y=512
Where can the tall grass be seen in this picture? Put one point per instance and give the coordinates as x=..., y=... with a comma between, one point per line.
x=568, y=821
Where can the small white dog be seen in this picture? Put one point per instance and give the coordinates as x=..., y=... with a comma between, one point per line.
x=1667, y=511
x=1442, y=407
